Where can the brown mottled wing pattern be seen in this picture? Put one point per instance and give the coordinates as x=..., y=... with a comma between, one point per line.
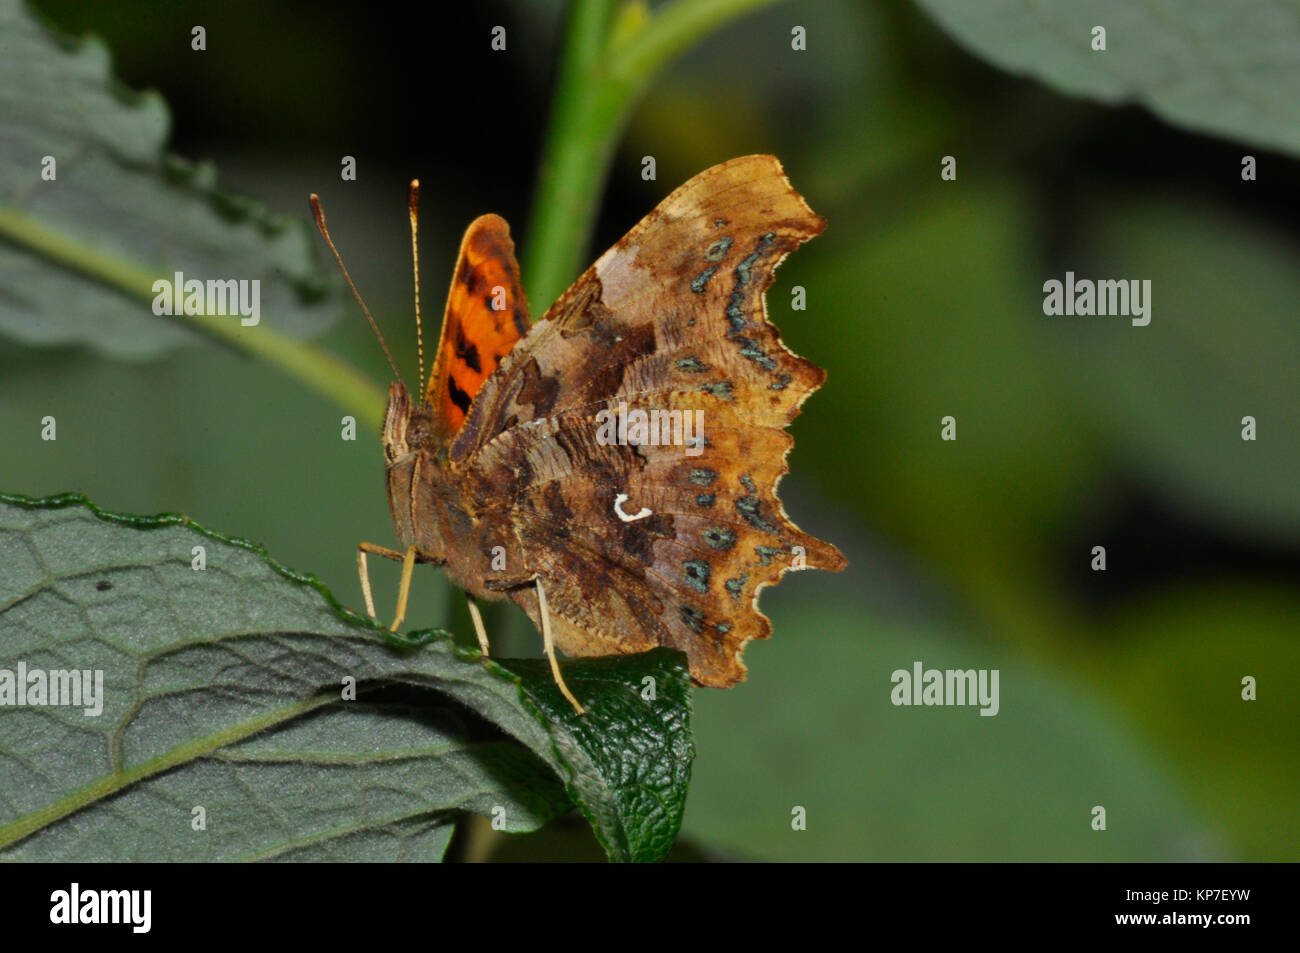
x=486, y=314
x=672, y=318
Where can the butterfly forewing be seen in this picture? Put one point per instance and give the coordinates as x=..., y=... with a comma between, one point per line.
x=486, y=314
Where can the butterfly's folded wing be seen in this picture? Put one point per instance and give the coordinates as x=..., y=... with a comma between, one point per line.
x=486, y=314
x=671, y=319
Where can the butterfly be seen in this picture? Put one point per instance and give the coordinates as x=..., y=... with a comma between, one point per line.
x=612, y=469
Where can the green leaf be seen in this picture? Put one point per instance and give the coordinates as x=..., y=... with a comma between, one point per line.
x=1221, y=346
x=988, y=368
x=1176, y=659
x=222, y=689
x=1227, y=69
x=891, y=783
x=79, y=253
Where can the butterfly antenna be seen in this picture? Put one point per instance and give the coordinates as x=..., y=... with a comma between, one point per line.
x=325, y=233
x=413, y=207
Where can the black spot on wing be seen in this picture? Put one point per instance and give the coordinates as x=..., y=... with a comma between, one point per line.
x=692, y=617
x=467, y=351
x=458, y=396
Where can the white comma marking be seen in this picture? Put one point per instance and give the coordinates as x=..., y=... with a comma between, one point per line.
x=618, y=509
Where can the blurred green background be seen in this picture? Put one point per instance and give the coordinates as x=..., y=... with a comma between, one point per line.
x=1118, y=688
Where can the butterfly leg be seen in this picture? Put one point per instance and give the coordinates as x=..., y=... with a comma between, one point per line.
x=404, y=587
x=549, y=643
x=548, y=640
x=479, y=630
x=408, y=559
x=364, y=573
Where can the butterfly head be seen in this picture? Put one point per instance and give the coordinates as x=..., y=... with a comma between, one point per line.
x=415, y=481
x=408, y=428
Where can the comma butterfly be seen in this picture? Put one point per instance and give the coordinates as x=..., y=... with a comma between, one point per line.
x=612, y=469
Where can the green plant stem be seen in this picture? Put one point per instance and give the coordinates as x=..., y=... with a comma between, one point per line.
x=574, y=156
x=677, y=26
x=313, y=366
x=603, y=73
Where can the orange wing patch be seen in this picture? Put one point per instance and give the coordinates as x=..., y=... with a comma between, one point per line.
x=486, y=314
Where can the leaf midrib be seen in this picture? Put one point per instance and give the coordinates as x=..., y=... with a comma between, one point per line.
x=112, y=783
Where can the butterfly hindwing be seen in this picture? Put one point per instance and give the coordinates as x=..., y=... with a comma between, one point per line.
x=486, y=314
x=686, y=575
x=671, y=319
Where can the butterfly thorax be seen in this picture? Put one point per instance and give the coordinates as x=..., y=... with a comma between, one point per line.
x=436, y=505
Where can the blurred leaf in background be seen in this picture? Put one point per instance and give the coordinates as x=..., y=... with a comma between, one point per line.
x=1227, y=68
x=81, y=245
